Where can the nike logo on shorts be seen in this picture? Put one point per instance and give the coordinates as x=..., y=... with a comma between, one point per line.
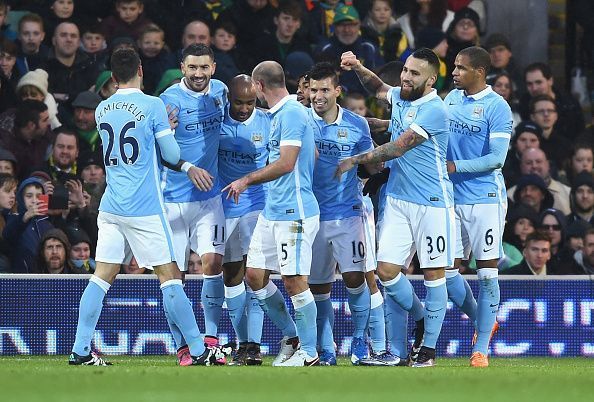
x=357, y=261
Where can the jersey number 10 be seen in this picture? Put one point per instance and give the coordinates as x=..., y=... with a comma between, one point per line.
x=113, y=161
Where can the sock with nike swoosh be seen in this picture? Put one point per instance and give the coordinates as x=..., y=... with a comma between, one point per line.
x=436, y=303
x=488, y=304
x=212, y=298
x=460, y=293
x=359, y=303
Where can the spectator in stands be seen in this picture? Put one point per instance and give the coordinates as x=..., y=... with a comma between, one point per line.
x=424, y=13
x=29, y=139
x=61, y=165
x=503, y=85
x=129, y=20
x=8, y=186
x=54, y=254
x=24, y=230
x=463, y=32
x=92, y=172
x=34, y=85
x=581, y=160
x=355, y=102
x=169, y=78
x=320, y=20
x=553, y=223
x=539, y=81
x=576, y=231
x=195, y=32
x=380, y=28
x=195, y=264
x=85, y=125
x=436, y=40
x=297, y=64
x=32, y=52
x=532, y=192
x=132, y=268
x=80, y=249
x=70, y=70
x=94, y=45
x=59, y=11
x=8, y=57
x=554, y=142
x=6, y=31
x=584, y=258
x=534, y=161
x=225, y=53
x=155, y=57
x=582, y=199
x=347, y=38
x=278, y=44
x=7, y=162
x=502, y=60
x=105, y=86
x=537, y=254
x=521, y=221
x=527, y=135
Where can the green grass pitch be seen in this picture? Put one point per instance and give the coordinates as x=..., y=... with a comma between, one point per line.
x=157, y=378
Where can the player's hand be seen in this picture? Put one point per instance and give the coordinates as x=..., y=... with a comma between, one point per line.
x=348, y=61
x=451, y=167
x=76, y=197
x=236, y=188
x=344, y=166
x=201, y=178
x=172, y=113
x=376, y=181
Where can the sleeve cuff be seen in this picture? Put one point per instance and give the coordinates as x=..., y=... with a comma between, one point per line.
x=507, y=136
x=419, y=130
x=293, y=143
x=163, y=133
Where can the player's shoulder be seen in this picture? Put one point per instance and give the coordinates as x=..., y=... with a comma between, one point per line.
x=218, y=87
x=453, y=96
x=353, y=118
x=172, y=92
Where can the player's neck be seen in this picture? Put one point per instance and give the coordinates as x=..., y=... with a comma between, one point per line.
x=275, y=96
x=330, y=115
x=134, y=83
x=475, y=89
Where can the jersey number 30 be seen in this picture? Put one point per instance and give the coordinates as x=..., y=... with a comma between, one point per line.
x=113, y=161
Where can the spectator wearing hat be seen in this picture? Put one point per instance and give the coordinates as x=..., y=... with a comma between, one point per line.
x=527, y=134
x=347, y=38
x=105, y=86
x=436, y=40
x=80, y=249
x=70, y=70
x=584, y=258
x=521, y=220
x=538, y=78
x=537, y=254
x=381, y=28
x=285, y=39
x=32, y=52
x=33, y=85
x=84, y=106
x=532, y=191
x=7, y=162
x=433, y=13
x=463, y=32
x=29, y=139
x=502, y=60
x=582, y=199
x=534, y=162
x=53, y=254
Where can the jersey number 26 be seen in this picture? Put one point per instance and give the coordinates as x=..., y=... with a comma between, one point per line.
x=128, y=160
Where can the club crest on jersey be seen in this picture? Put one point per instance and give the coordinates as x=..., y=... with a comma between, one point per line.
x=217, y=102
x=257, y=137
x=477, y=112
x=410, y=115
x=342, y=133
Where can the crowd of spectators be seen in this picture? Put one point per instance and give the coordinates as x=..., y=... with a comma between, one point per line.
x=54, y=71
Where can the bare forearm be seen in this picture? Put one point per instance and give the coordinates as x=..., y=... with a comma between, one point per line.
x=392, y=149
x=369, y=79
x=268, y=173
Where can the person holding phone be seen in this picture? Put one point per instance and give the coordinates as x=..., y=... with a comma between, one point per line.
x=25, y=228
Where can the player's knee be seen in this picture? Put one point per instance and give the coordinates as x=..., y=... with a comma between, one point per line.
x=320, y=289
x=371, y=282
x=212, y=263
x=353, y=279
x=387, y=271
x=255, y=278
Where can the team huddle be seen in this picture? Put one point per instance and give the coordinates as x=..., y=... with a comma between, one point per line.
x=255, y=193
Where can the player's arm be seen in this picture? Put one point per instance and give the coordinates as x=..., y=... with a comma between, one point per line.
x=494, y=159
x=377, y=125
x=371, y=82
x=390, y=150
x=283, y=165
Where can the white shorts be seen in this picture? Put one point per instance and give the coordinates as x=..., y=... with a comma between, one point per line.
x=342, y=241
x=370, y=241
x=239, y=234
x=149, y=238
x=408, y=228
x=479, y=229
x=283, y=246
x=196, y=225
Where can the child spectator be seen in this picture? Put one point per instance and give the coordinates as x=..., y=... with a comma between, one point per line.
x=381, y=28
x=223, y=47
x=355, y=102
x=8, y=185
x=60, y=11
x=155, y=57
x=93, y=44
x=433, y=13
x=5, y=31
x=32, y=52
x=8, y=58
x=7, y=162
x=24, y=229
x=128, y=20
x=80, y=249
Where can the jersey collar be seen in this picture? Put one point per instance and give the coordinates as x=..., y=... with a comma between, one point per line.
x=245, y=123
x=280, y=104
x=426, y=98
x=186, y=89
x=338, y=120
x=480, y=95
x=127, y=91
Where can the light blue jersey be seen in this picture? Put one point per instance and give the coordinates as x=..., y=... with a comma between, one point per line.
x=480, y=129
x=129, y=123
x=348, y=136
x=420, y=175
x=199, y=126
x=290, y=197
x=243, y=148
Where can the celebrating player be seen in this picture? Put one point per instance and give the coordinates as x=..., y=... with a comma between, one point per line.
x=419, y=214
x=480, y=131
x=286, y=229
x=131, y=213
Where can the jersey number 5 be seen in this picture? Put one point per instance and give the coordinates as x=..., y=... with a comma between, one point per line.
x=113, y=161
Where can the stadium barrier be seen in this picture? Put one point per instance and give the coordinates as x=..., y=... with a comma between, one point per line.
x=38, y=315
